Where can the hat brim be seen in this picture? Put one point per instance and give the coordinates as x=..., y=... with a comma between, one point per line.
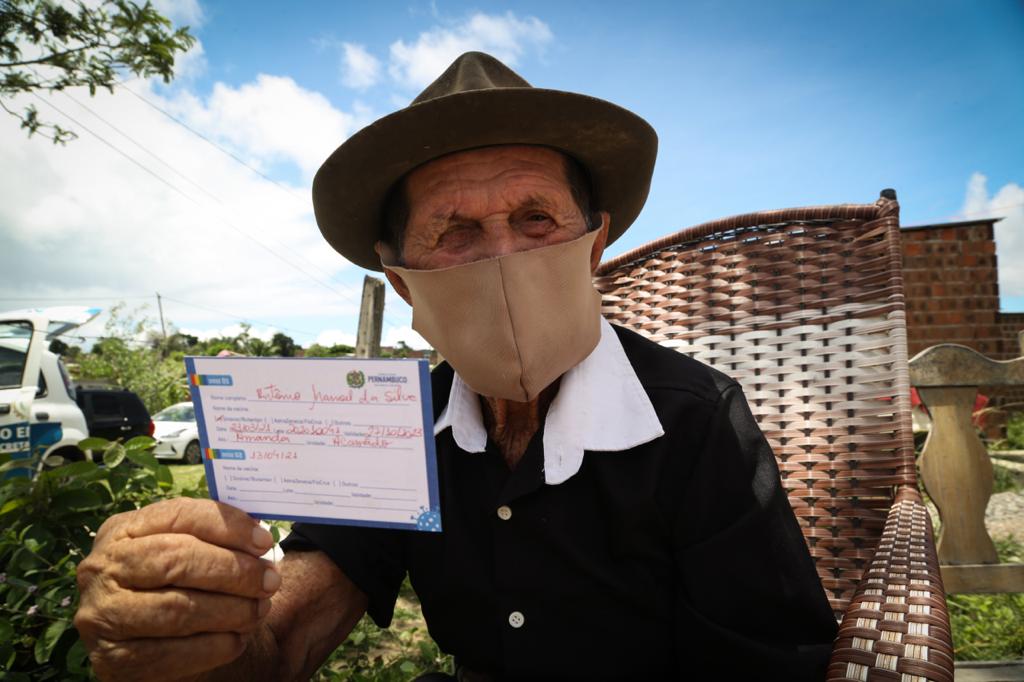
x=617, y=147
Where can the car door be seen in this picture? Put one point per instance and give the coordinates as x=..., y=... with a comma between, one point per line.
x=136, y=416
x=20, y=352
x=107, y=418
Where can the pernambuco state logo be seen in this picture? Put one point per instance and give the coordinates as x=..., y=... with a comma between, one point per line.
x=355, y=379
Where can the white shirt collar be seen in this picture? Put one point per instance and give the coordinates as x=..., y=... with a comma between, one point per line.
x=600, y=406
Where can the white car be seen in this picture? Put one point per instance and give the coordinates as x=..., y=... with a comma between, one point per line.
x=176, y=433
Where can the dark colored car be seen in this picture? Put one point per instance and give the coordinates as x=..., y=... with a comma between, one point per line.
x=114, y=414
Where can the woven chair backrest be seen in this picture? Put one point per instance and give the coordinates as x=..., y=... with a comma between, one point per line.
x=804, y=307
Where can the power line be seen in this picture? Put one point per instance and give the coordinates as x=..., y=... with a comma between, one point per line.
x=192, y=200
x=237, y=317
x=213, y=144
x=186, y=178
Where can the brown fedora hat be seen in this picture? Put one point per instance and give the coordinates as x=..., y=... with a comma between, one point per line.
x=480, y=102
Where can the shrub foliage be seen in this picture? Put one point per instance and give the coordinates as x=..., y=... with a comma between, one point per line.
x=49, y=515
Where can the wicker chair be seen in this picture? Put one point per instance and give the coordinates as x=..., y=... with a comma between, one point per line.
x=804, y=307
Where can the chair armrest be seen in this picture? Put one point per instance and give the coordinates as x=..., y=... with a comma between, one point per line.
x=897, y=626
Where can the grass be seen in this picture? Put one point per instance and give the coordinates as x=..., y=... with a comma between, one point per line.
x=1006, y=479
x=400, y=653
x=185, y=475
x=989, y=627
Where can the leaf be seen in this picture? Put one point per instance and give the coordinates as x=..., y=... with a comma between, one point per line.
x=93, y=444
x=15, y=464
x=54, y=461
x=6, y=630
x=78, y=499
x=164, y=477
x=114, y=455
x=275, y=532
x=142, y=458
x=407, y=667
x=11, y=505
x=45, y=644
x=76, y=469
x=76, y=656
x=140, y=443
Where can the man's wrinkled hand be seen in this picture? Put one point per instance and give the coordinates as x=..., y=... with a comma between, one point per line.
x=171, y=590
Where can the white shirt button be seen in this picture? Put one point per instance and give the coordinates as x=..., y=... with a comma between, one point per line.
x=504, y=512
x=516, y=619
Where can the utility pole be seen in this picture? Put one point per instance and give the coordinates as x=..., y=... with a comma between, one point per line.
x=163, y=328
x=371, y=318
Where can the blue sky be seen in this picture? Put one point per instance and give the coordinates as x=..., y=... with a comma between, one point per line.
x=757, y=105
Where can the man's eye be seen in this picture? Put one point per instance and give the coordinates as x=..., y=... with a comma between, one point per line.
x=537, y=217
x=455, y=238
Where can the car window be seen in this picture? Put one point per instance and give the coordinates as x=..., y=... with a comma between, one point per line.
x=133, y=408
x=176, y=413
x=105, y=406
x=41, y=386
x=14, y=340
x=69, y=385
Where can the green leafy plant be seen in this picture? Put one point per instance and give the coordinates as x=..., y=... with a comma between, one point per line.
x=49, y=514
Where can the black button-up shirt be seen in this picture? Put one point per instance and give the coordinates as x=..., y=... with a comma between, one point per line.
x=678, y=559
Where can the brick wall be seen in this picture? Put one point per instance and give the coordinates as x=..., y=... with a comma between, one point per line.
x=952, y=289
x=1012, y=324
x=950, y=275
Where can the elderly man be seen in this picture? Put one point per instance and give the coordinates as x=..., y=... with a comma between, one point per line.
x=610, y=507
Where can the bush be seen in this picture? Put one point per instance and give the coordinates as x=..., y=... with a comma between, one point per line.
x=47, y=525
x=1015, y=432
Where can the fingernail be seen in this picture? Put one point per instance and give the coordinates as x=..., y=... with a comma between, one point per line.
x=262, y=538
x=271, y=580
x=264, y=607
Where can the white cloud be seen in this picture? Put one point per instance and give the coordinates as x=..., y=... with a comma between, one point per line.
x=191, y=64
x=1007, y=203
x=181, y=12
x=336, y=337
x=359, y=68
x=394, y=334
x=272, y=120
x=83, y=222
x=505, y=36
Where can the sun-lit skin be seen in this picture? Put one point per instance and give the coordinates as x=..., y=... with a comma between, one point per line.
x=487, y=203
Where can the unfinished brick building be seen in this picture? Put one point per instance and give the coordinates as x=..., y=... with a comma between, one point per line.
x=950, y=275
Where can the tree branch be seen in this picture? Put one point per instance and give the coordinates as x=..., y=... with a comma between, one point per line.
x=57, y=55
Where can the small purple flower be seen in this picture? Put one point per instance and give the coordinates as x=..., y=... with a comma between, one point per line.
x=32, y=610
x=65, y=602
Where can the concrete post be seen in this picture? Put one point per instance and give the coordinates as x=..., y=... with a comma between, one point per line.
x=371, y=318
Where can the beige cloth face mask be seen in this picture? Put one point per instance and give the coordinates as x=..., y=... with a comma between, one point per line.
x=510, y=325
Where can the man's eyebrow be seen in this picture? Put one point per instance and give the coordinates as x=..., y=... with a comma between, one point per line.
x=536, y=201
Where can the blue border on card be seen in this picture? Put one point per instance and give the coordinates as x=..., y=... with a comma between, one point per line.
x=428, y=520
x=204, y=444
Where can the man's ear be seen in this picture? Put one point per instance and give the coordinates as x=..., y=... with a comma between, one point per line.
x=399, y=284
x=387, y=257
x=597, y=250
